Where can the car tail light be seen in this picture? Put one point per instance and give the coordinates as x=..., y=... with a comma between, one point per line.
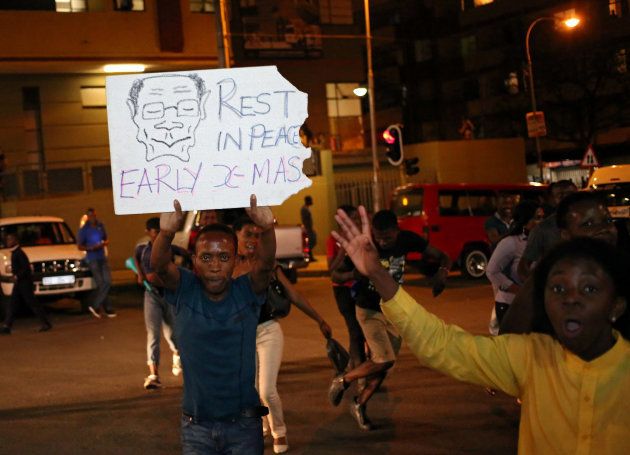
x=305, y=247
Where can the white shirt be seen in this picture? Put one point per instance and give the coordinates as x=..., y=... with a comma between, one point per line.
x=502, y=267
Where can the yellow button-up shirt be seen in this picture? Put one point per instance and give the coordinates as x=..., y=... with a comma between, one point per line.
x=569, y=406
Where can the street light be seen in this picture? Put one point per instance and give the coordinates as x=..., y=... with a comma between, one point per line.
x=568, y=23
x=360, y=91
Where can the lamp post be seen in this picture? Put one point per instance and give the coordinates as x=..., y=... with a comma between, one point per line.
x=376, y=167
x=568, y=23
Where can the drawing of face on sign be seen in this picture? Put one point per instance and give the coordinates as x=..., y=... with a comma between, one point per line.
x=167, y=110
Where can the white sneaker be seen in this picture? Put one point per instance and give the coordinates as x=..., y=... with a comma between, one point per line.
x=177, y=365
x=280, y=448
x=95, y=313
x=152, y=382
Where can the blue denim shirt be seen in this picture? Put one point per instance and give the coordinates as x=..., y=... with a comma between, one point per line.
x=217, y=345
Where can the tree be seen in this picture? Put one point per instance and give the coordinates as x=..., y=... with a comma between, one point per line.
x=585, y=93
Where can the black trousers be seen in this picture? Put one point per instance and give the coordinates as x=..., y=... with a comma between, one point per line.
x=346, y=306
x=23, y=294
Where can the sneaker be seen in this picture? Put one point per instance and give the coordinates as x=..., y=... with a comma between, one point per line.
x=45, y=328
x=111, y=314
x=280, y=445
x=152, y=382
x=95, y=313
x=357, y=411
x=4, y=330
x=177, y=365
x=336, y=390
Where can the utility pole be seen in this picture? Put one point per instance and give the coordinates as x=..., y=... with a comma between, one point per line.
x=376, y=167
x=223, y=33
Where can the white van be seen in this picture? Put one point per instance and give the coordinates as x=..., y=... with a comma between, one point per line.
x=615, y=182
x=58, y=265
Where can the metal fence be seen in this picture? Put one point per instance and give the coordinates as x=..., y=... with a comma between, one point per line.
x=359, y=192
x=28, y=181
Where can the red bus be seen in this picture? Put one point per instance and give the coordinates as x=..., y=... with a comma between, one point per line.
x=451, y=217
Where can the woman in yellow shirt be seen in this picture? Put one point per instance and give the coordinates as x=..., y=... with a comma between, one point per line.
x=572, y=380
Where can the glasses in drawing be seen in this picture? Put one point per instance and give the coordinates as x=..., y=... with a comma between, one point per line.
x=184, y=108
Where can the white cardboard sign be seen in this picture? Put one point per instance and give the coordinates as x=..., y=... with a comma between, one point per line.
x=208, y=138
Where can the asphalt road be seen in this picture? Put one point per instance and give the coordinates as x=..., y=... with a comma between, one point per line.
x=78, y=388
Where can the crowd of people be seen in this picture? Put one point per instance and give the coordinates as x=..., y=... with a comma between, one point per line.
x=559, y=275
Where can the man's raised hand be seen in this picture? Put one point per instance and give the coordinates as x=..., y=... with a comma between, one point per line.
x=262, y=216
x=171, y=222
x=358, y=244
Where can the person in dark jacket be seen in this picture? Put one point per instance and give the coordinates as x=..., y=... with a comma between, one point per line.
x=22, y=287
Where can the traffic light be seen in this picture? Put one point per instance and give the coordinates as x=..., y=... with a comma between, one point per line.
x=393, y=137
x=411, y=167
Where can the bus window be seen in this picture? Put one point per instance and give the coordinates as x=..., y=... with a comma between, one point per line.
x=408, y=203
x=482, y=202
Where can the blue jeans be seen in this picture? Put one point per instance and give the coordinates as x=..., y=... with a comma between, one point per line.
x=103, y=280
x=241, y=436
x=157, y=315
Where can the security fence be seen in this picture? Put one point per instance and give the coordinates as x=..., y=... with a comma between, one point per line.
x=358, y=191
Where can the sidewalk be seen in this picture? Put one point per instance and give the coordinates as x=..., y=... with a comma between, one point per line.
x=124, y=277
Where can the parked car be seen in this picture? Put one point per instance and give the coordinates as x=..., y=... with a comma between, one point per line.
x=59, y=267
x=451, y=217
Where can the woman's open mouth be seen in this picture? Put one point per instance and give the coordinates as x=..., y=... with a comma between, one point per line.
x=572, y=327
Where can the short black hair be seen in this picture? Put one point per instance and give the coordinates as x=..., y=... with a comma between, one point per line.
x=153, y=223
x=523, y=213
x=348, y=209
x=384, y=219
x=560, y=183
x=308, y=200
x=219, y=228
x=579, y=197
x=241, y=222
x=613, y=261
x=89, y=210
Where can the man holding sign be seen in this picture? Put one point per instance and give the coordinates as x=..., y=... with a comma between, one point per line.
x=215, y=326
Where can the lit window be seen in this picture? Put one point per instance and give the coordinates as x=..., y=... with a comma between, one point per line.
x=344, y=116
x=202, y=6
x=70, y=6
x=614, y=8
x=129, y=5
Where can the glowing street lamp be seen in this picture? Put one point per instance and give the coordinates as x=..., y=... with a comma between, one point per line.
x=360, y=91
x=569, y=24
